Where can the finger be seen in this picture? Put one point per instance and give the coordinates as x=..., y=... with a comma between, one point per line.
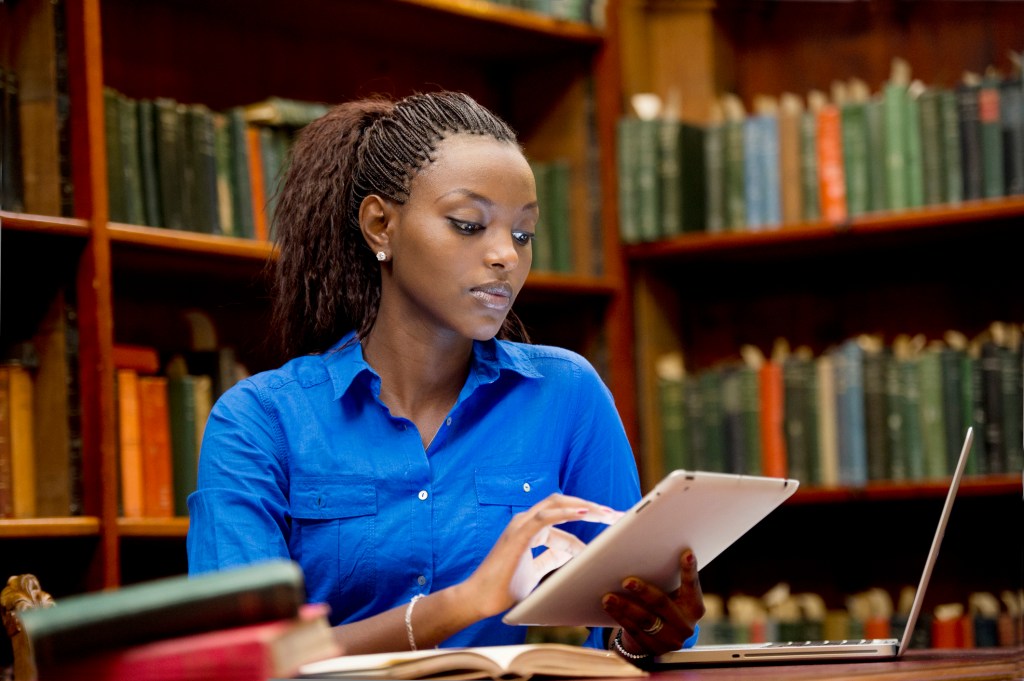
x=689, y=597
x=639, y=624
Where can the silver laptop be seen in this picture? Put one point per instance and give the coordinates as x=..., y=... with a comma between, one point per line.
x=795, y=651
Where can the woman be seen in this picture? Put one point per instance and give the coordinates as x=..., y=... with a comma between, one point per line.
x=406, y=459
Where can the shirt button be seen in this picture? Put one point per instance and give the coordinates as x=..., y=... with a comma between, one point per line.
x=448, y=421
x=422, y=495
x=526, y=487
x=421, y=580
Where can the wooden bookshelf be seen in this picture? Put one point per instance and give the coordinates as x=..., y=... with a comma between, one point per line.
x=925, y=270
x=553, y=80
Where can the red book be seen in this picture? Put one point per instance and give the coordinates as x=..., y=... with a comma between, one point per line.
x=255, y=652
x=831, y=174
x=141, y=358
x=773, y=437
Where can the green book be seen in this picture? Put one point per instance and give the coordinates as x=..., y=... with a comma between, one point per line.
x=543, y=260
x=969, y=118
x=714, y=178
x=734, y=425
x=989, y=116
x=181, y=403
x=149, y=175
x=714, y=458
x=799, y=378
x=560, y=224
x=952, y=367
x=626, y=162
x=951, y=149
x=693, y=411
x=750, y=411
x=895, y=107
x=735, y=177
x=274, y=143
x=854, y=127
x=670, y=176
x=281, y=111
x=116, y=199
x=915, y=171
x=85, y=624
x=933, y=429
x=1013, y=408
x=673, y=422
x=895, y=421
x=241, y=184
x=809, y=166
x=1011, y=114
x=933, y=167
x=876, y=412
x=874, y=114
x=170, y=136
x=202, y=170
x=914, y=459
x=648, y=187
x=131, y=158
x=222, y=153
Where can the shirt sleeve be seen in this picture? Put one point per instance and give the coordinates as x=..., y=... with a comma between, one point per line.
x=238, y=513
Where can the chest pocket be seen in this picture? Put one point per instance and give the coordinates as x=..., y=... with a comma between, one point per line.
x=516, y=486
x=334, y=539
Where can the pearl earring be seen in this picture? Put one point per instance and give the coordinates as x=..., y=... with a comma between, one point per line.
x=381, y=256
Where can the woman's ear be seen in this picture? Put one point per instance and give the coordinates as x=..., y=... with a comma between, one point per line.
x=375, y=217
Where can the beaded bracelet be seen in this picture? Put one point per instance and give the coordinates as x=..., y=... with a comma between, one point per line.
x=617, y=642
x=408, y=620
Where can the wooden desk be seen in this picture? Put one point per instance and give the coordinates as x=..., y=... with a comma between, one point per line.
x=983, y=664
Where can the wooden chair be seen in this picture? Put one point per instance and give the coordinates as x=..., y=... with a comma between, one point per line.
x=22, y=592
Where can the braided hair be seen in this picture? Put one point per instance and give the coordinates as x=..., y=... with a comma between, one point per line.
x=326, y=280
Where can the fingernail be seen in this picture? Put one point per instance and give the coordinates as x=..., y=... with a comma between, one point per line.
x=631, y=585
x=689, y=558
x=582, y=511
x=609, y=601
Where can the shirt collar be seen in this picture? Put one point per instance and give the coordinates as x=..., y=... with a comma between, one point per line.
x=345, y=363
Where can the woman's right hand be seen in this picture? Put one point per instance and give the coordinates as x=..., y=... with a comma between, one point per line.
x=509, y=571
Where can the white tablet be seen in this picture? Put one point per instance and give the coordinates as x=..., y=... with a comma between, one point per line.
x=704, y=511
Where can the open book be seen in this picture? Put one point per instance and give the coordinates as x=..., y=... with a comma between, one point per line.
x=504, y=662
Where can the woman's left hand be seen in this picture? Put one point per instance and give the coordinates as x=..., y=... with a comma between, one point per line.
x=654, y=622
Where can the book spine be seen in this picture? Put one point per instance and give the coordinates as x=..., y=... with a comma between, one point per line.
x=832, y=183
x=789, y=167
x=773, y=435
x=933, y=167
x=914, y=162
x=810, y=190
x=735, y=193
x=969, y=119
x=769, y=156
x=876, y=412
x=754, y=180
x=853, y=123
x=933, y=429
x=874, y=114
x=23, y=457
x=992, y=394
x=626, y=164
x=148, y=159
x=157, y=476
x=673, y=423
x=6, y=474
x=849, y=363
x=894, y=98
x=992, y=171
x=951, y=146
x=1011, y=114
x=129, y=443
x=670, y=159
x=647, y=184
x=714, y=178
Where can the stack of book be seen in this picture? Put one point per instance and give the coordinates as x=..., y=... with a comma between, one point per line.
x=826, y=157
x=859, y=412
x=245, y=624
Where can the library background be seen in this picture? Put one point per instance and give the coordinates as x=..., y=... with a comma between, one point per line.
x=782, y=231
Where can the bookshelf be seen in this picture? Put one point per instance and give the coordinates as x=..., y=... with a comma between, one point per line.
x=554, y=80
x=923, y=270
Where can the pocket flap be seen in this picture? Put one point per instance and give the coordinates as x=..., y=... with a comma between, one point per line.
x=515, y=485
x=331, y=498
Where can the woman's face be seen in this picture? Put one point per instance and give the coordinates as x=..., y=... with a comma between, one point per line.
x=461, y=244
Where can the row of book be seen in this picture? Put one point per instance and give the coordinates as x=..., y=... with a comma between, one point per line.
x=162, y=411
x=184, y=166
x=41, y=459
x=858, y=412
x=986, y=620
x=827, y=157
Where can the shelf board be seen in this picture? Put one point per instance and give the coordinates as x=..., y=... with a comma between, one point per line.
x=818, y=234
x=44, y=224
x=32, y=528
x=988, y=485
x=570, y=284
x=152, y=527
x=181, y=241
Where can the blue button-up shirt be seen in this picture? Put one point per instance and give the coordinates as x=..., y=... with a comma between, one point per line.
x=306, y=462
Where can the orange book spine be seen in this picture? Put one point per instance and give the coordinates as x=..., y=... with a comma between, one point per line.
x=831, y=175
x=259, y=198
x=156, y=447
x=22, y=442
x=6, y=479
x=145, y=360
x=129, y=443
x=773, y=442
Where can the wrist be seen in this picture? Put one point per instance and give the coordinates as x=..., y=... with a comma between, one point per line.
x=625, y=649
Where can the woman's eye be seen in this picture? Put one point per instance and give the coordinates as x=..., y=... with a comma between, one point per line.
x=523, y=238
x=465, y=227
